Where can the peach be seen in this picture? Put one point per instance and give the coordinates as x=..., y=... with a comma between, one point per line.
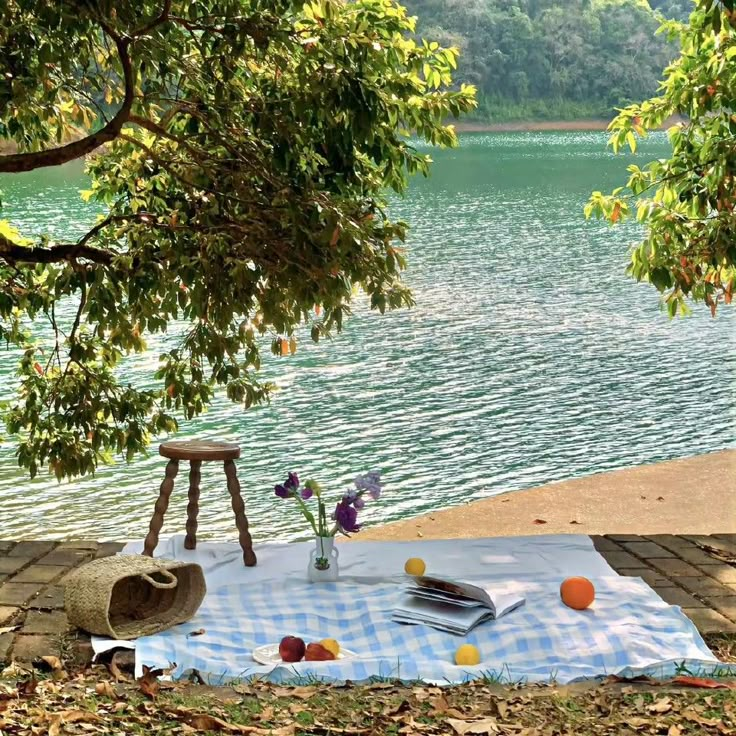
x=317, y=653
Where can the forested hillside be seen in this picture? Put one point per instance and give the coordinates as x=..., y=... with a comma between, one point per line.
x=537, y=59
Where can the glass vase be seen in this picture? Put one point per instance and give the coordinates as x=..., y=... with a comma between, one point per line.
x=323, y=566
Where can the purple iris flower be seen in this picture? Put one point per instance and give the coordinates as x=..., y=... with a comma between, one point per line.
x=292, y=481
x=370, y=482
x=282, y=491
x=346, y=517
x=307, y=492
x=359, y=503
x=349, y=496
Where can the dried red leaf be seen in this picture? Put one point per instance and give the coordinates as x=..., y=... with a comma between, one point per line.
x=149, y=684
x=687, y=681
x=539, y=521
x=27, y=687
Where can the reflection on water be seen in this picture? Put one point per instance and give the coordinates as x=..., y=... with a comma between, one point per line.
x=529, y=358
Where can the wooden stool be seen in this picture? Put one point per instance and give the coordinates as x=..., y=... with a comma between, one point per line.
x=197, y=452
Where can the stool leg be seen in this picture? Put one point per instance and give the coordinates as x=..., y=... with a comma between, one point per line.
x=241, y=521
x=190, y=542
x=157, y=521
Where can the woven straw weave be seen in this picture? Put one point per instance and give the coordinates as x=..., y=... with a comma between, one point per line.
x=128, y=596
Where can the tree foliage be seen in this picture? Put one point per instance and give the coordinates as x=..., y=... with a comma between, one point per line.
x=241, y=150
x=686, y=201
x=546, y=57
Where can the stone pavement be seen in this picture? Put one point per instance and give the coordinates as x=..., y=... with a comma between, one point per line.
x=33, y=623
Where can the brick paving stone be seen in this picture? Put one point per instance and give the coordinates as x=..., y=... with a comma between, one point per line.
x=696, y=556
x=623, y=537
x=107, y=549
x=722, y=572
x=603, y=544
x=731, y=538
x=675, y=568
x=79, y=544
x=7, y=613
x=709, y=621
x=30, y=647
x=50, y=598
x=670, y=541
x=46, y=622
x=6, y=546
x=6, y=643
x=646, y=550
x=10, y=565
x=37, y=574
x=651, y=577
x=678, y=597
x=712, y=542
x=31, y=549
x=725, y=605
x=17, y=594
x=66, y=557
x=620, y=559
x=706, y=587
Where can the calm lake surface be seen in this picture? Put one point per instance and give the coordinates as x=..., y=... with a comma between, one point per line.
x=530, y=357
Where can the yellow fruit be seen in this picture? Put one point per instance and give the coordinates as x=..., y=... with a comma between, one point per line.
x=414, y=566
x=467, y=654
x=331, y=645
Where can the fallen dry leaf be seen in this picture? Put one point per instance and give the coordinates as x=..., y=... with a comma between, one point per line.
x=704, y=683
x=198, y=632
x=106, y=689
x=294, y=692
x=539, y=521
x=674, y=731
x=439, y=705
x=56, y=720
x=53, y=662
x=27, y=687
x=206, y=722
x=660, y=498
x=501, y=707
x=574, y=522
x=663, y=705
x=484, y=726
x=8, y=629
x=149, y=684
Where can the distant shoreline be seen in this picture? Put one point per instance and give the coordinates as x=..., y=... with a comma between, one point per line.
x=478, y=126
x=538, y=126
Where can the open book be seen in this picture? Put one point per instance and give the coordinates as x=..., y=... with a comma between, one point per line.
x=451, y=605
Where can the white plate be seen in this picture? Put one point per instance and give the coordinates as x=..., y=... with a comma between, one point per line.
x=269, y=654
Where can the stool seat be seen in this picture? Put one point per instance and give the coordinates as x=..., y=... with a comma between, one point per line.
x=199, y=450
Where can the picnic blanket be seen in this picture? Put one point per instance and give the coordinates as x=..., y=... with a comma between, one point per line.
x=628, y=631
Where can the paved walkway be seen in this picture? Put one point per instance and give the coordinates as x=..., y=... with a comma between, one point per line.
x=697, y=573
x=692, y=495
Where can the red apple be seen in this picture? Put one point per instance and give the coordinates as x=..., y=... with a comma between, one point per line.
x=291, y=649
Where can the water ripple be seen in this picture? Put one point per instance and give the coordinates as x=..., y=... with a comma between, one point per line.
x=529, y=358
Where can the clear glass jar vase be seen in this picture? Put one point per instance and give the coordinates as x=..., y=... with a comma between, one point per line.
x=323, y=567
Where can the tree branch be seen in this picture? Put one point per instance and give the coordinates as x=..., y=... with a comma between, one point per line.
x=17, y=162
x=161, y=18
x=13, y=253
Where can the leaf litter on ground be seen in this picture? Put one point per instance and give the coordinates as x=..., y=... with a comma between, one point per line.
x=89, y=703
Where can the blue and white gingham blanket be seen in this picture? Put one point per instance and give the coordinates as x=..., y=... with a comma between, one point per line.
x=629, y=631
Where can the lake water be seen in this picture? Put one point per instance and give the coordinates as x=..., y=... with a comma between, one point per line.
x=530, y=357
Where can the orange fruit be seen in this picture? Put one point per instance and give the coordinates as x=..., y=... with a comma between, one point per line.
x=577, y=593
